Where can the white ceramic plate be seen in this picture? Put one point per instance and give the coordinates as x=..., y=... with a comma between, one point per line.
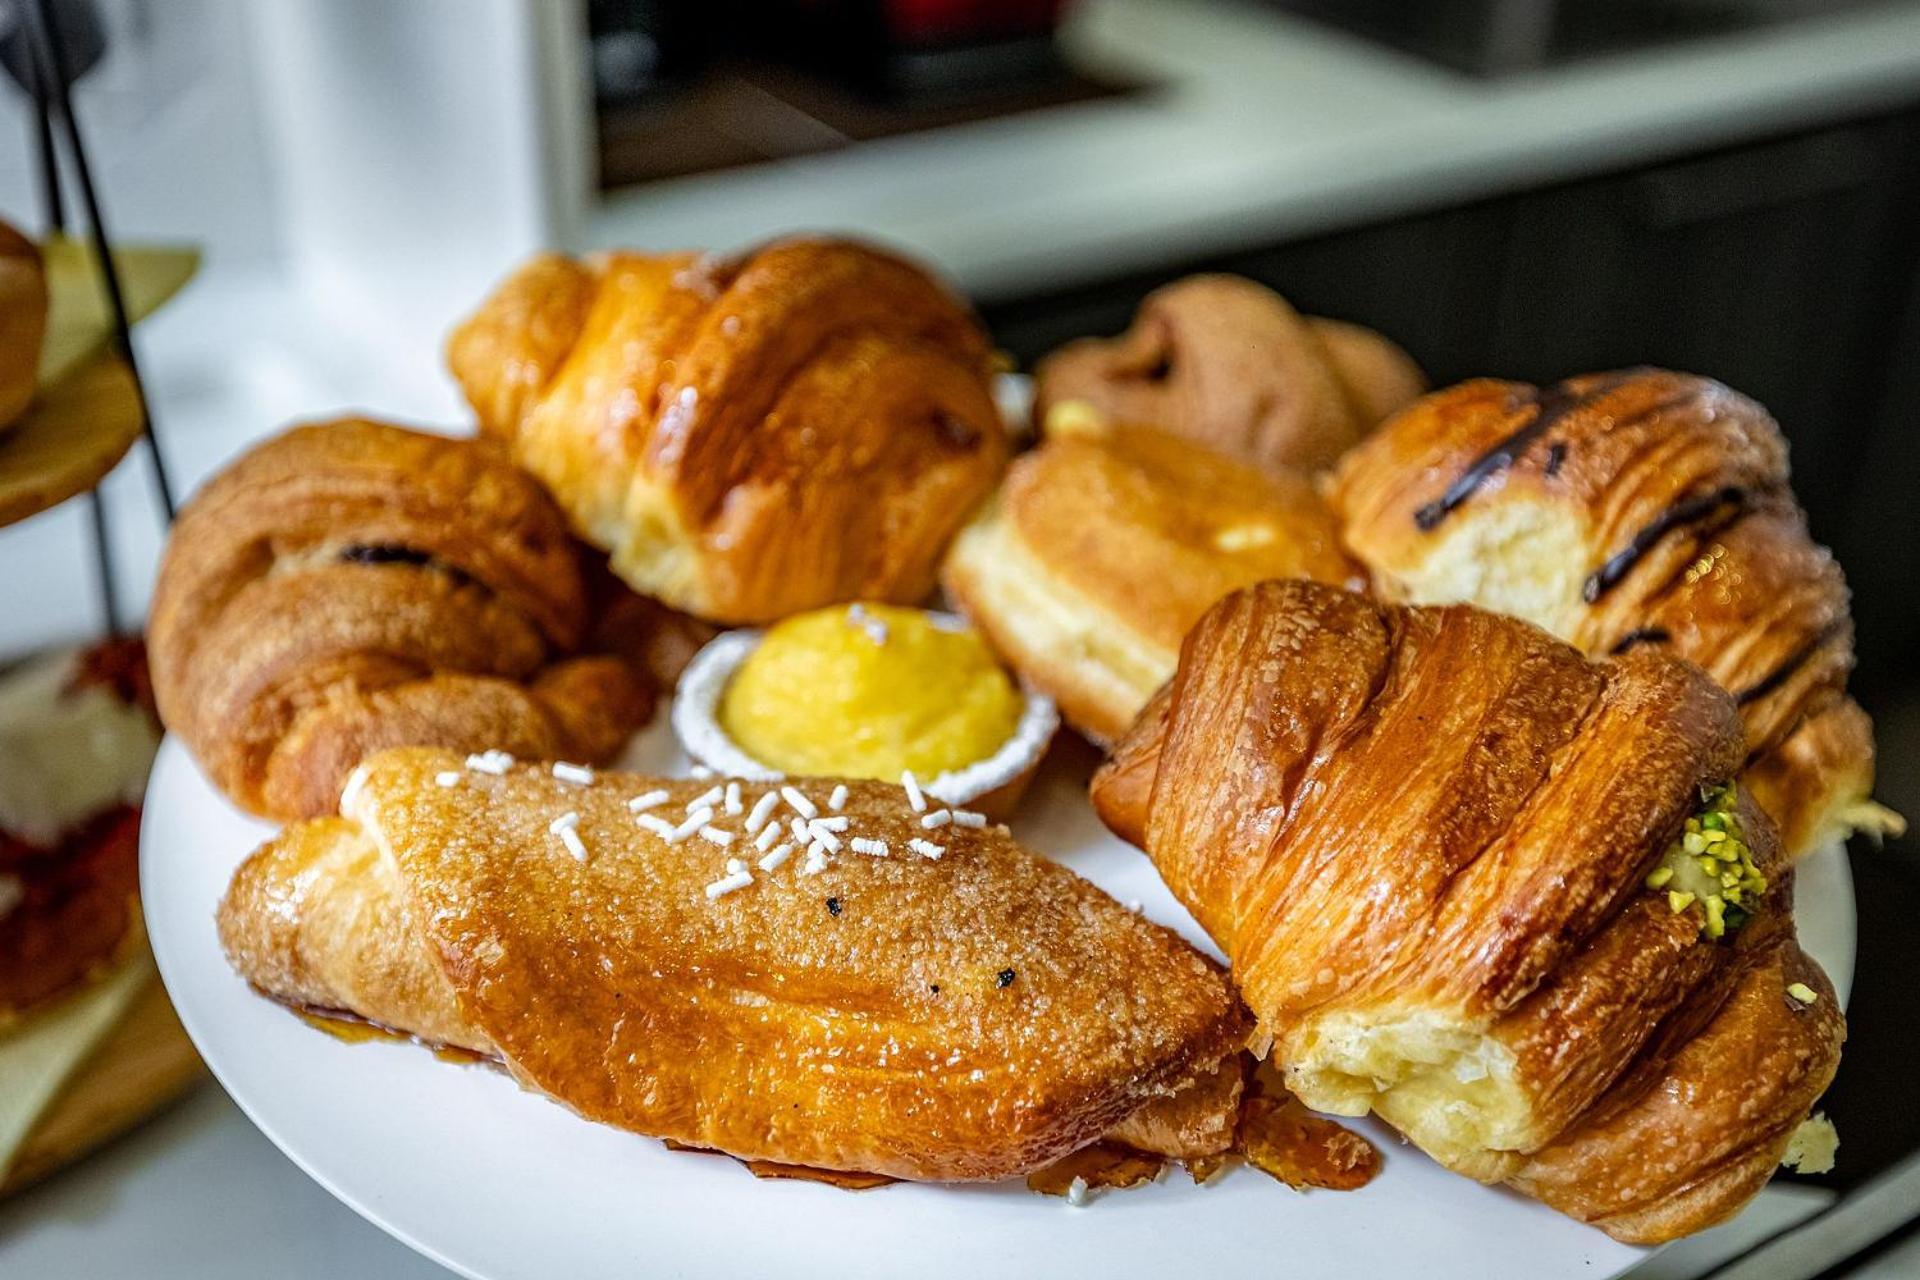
x=503, y=1185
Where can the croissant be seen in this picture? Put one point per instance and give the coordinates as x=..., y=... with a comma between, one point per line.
x=748, y=438
x=1106, y=543
x=1632, y=509
x=350, y=586
x=1450, y=861
x=1226, y=363
x=964, y=1016
x=23, y=322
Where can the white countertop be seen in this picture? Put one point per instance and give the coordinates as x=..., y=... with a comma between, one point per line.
x=1263, y=126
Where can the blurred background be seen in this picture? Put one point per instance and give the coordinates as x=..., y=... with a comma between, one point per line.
x=1521, y=188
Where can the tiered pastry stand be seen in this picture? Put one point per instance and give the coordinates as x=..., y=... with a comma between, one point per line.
x=90, y=410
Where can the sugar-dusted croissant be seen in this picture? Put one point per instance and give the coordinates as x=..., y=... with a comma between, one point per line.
x=749, y=437
x=964, y=1016
x=1439, y=849
x=350, y=586
x=1106, y=543
x=23, y=322
x=1228, y=364
x=1627, y=510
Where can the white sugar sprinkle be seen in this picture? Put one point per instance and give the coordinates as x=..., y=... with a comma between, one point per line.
x=875, y=848
x=830, y=824
x=912, y=785
x=578, y=774
x=651, y=800
x=563, y=822
x=714, y=835
x=738, y=880
x=1133, y=905
x=1077, y=1192
x=700, y=773
x=824, y=835
x=926, y=848
x=801, y=805
x=694, y=822
x=659, y=826
x=762, y=810
x=816, y=863
x=968, y=818
x=493, y=762
x=777, y=858
x=768, y=834
x=801, y=831
x=447, y=778
x=733, y=798
x=875, y=628
x=839, y=797
x=735, y=866
x=575, y=846
x=706, y=799
x=938, y=818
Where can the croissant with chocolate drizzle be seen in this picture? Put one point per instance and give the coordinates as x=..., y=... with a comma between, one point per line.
x=349, y=586
x=1495, y=892
x=1632, y=510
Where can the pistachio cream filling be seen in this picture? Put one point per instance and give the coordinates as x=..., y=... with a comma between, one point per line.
x=1711, y=864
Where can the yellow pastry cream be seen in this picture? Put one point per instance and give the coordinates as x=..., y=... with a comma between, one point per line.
x=868, y=691
x=1711, y=864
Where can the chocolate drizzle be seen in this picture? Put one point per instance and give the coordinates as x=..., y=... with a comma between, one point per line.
x=387, y=553
x=1727, y=501
x=1550, y=405
x=1639, y=636
x=1796, y=660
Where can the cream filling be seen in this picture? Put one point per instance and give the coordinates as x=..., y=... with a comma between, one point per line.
x=696, y=722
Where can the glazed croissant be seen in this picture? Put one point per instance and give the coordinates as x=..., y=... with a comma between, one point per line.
x=749, y=437
x=966, y=1016
x=350, y=586
x=1628, y=510
x=1439, y=849
x=1226, y=363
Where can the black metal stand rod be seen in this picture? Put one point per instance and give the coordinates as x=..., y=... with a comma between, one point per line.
x=54, y=211
x=47, y=32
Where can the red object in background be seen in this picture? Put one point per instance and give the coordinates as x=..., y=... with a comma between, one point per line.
x=916, y=22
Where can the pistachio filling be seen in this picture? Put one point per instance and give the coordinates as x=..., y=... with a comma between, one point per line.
x=1711, y=864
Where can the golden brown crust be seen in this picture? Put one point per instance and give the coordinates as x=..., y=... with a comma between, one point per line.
x=965, y=1018
x=1227, y=364
x=748, y=438
x=1421, y=837
x=1623, y=510
x=350, y=586
x=23, y=322
x=1103, y=547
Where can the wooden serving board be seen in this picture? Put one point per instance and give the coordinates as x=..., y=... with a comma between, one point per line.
x=69, y=438
x=145, y=1062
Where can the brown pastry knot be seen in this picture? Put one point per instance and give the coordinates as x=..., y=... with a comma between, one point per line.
x=1228, y=364
x=748, y=437
x=1629, y=510
x=1428, y=840
x=350, y=586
